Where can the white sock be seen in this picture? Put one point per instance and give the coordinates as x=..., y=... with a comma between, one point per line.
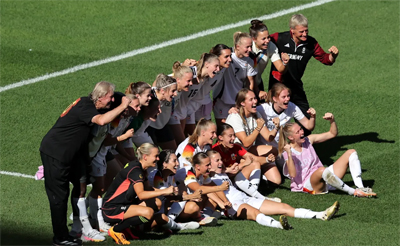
x=176, y=209
x=355, y=169
x=93, y=207
x=83, y=215
x=333, y=180
x=307, y=214
x=245, y=185
x=264, y=220
x=171, y=224
x=255, y=177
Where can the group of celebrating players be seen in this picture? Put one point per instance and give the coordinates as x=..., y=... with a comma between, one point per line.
x=194, y=180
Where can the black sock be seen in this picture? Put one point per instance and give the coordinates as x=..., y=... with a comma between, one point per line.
x=133, y=221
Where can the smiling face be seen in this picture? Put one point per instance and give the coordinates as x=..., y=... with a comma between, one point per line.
x=296, y=134
x=250, y=103
x=227, y=138
x=170, y=92
x=144, y=97
x=105, y=101
x=212, y=68
x=152, y=158
x=184, y=82
x=134, y=107
x=204, y=167
x=262, y=40
x=172, y=164
x=299, y=33
x=216, y=163
x=209, y=134
x=282, y=101
x=243, y=48
x=225, y=58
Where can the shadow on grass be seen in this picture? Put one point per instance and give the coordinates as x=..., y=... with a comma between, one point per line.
x=330, y=148
x=24, y=237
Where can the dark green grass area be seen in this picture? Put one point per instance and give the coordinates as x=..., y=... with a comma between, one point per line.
x=361, y=89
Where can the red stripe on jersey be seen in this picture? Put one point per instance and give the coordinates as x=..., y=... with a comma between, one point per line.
x=121, y=189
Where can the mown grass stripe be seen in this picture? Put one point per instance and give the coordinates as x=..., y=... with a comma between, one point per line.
x=161, y=45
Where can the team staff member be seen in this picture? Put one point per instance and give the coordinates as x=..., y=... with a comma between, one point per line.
x=64, y=150
x=300, y=47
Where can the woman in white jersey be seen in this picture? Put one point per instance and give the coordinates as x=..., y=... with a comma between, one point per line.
x=248, y=124
x=264, y=51
x=278, y=105
x=162, y=178
x=201, y=104
x=200, y=141
x=240, y=74
x=257, y=209
x=207, y=67
x=304, y=168
x=160, y=131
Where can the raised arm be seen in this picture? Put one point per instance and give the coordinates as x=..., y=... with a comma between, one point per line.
x=248, y=141
x=103, y=119
x=143, y=194
x=289, y=161
x=309, y=123
x=322, y=137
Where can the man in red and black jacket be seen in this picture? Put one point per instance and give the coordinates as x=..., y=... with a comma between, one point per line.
x=300, y=47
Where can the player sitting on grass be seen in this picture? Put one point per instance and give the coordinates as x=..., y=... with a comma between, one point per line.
x=306, y=171
x=256, y=209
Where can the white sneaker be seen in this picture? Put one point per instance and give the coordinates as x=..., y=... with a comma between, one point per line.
x=274, y=199
x=208, y=221
x=192, y=225
x=93, y=235
x=104, y=227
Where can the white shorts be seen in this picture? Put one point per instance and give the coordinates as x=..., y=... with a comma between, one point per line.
x=252, y=201
x=204, y=112
x=221, y=109
x=309, y=188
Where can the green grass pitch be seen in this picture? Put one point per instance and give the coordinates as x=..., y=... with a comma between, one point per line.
x=361, y=89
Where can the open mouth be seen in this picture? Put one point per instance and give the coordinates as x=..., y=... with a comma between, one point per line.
x=254, y=106
x=286, y=103
x=302, y=136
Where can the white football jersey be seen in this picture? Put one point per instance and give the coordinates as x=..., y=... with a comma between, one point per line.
x=267, y=112
x=235, y=77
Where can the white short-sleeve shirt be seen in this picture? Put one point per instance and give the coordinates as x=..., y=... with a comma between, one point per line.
x=238, y=126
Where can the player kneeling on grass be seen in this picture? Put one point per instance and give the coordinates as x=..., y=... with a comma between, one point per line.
x=130, y=202
x=197, y=178
x=306, y=171
x=257, y=209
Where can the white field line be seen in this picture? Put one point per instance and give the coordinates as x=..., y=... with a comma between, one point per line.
x=160, y=45
x=148, y=49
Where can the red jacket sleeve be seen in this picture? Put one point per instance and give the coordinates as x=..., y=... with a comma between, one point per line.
x=321, y=55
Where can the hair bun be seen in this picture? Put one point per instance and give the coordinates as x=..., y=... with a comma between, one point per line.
x=256, y=22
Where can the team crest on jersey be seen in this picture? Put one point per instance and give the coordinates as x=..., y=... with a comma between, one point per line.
x=304, y=50
x=140, y=176
x=233, y=156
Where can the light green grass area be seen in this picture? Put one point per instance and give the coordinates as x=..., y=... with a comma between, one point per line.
x=361, y=89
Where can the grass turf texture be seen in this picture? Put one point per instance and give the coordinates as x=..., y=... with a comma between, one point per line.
x=361, y=90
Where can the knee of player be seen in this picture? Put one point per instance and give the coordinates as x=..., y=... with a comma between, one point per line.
x=192, y=207
x=158, y=203
x=147, y=213
x=351, y=151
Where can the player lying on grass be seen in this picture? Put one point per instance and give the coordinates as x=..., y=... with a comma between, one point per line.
x=243, y=167
x=257, y=209
x=304, y=168
x=131, y=202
